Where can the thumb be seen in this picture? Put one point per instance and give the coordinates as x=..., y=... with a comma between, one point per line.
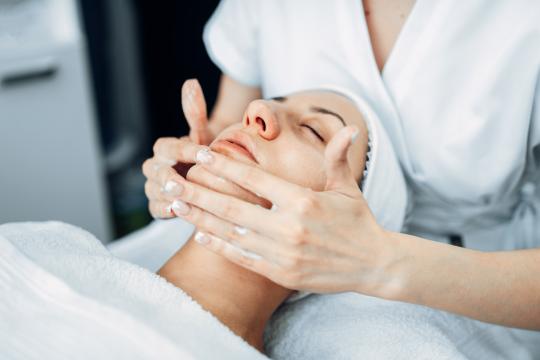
x=194, y=107
x=339, y=176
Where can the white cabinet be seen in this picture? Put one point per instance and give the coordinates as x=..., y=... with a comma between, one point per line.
x=51, y=167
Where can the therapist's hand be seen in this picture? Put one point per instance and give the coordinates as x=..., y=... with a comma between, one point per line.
x=324, y=241
x=173, y=156
x=194, y=107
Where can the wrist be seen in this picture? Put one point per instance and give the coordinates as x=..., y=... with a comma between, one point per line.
x=423, y=271
x=393, y=266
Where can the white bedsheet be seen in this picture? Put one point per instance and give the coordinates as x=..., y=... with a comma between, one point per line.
x=63, y=295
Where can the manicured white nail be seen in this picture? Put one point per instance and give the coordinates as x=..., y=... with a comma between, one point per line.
x=202, y=238
x=169, y=186
x=204, y=156
x=179, y=207
x=172, y=188
x=250, y=255
x=354, y=136
x=240, y=230
x=274, y=207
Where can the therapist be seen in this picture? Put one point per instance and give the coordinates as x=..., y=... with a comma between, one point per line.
x=456, y=84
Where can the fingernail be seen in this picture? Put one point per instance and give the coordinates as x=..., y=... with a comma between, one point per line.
x=354, y=136
x=179, y=207
x=274, y=207
x=249, y=254
x=240, y=230
x=202, y=238
x=204, y=156
x=172, y=188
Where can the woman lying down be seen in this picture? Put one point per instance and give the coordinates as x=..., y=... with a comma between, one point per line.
x=65, y=296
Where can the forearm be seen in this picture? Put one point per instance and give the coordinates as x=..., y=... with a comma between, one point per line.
x=496, y=287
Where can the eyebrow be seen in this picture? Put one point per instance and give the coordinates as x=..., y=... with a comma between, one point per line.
x=321, y=110
x=316, y=109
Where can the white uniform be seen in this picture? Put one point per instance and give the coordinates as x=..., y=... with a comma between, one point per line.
x=459, y=97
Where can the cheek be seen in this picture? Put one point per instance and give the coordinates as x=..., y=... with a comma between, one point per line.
x=301, y=164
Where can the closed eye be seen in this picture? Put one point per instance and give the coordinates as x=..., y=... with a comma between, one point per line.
x=314, y=132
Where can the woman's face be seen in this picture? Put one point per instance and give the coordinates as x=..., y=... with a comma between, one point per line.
x=287, y=137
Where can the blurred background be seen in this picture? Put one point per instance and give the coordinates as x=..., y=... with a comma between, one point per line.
x=86, y=87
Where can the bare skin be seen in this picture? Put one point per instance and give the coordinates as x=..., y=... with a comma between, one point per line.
x=385, y=19
x=242, y=300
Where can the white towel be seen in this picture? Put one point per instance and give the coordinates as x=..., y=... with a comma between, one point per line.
x=64, y=296
x=354, y=326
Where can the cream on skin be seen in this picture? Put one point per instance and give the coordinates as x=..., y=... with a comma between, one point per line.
x=288, y=136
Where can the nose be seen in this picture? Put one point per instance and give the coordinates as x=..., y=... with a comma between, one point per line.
x=260, y=115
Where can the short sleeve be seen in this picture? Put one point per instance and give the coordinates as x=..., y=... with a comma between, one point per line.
x=230, y=37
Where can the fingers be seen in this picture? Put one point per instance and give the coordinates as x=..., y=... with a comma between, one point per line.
x=256, y=264
x=160, y=209
x=194, y=108
x=194, y=105
x=339, y=176
x=163, y=184
x=166, y=185
x=268, y=186
x=201, y=176
x=232, y=209
x=173, y=150
x=160, y=198
x=158, y=173
x=237, y=236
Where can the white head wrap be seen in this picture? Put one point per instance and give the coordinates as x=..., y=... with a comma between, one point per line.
x=382, y=184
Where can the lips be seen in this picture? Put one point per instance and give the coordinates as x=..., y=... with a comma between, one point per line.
x=240, y=143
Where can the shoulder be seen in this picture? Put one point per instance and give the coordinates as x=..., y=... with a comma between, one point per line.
x=269, y=10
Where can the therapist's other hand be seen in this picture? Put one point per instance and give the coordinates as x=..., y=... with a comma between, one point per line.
x=173, y=156
x=194, y=107
x=325, y=241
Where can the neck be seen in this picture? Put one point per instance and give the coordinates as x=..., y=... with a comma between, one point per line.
x=240, y=299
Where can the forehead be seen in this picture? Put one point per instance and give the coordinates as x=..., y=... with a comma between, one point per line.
x=329, y=100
